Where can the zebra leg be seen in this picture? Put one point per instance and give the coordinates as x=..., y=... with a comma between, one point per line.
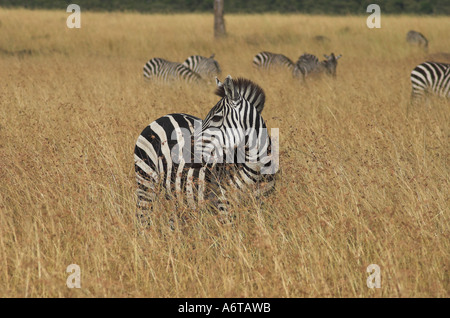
x=222, y=204
x=218, y=204
x=416, y=97
x=145, y=194
x=412, y=102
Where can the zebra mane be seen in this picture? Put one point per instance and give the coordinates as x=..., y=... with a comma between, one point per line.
x=308, y=58
x=250, y=91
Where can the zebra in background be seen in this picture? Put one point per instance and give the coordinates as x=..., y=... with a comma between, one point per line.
x=206, y=67
x=158, y=68
x=417, y=38
x=308, y=64
x=430, y=77
x=329, y=65
x=235, y=121
x=321, y=39
x=268, y=60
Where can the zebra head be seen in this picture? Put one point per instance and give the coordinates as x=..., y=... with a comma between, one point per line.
x=233, y=121
x=212, y=66
x=330, y=64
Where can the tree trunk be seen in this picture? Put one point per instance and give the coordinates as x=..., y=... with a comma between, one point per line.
x=219, y=22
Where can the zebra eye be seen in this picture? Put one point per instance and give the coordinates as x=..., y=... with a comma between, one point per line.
x=216, y=118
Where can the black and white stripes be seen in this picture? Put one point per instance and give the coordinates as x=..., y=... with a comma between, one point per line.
x=268, y=60
x=153, y=161
x=194, y=69
x=161, y=69
x=430, y=78
x=308, y=64
x=206, y=67
x=199, y=160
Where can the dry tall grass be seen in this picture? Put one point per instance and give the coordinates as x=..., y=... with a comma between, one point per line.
x=360, y=181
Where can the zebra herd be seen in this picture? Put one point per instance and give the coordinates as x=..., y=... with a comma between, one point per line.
x=197, y=67
x=201, y=161
x=306, y=65
x=426, y=78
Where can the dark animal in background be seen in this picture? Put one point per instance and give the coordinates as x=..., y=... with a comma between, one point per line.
x=321, y=39
x=417, y=38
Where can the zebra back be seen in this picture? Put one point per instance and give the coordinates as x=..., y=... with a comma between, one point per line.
x=158, y=164
x=206, y=67
x=430, y=77
x=306, y=64
x=268, y=60
x=158, y=68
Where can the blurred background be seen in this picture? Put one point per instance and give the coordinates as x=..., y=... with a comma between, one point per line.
x=441, y=7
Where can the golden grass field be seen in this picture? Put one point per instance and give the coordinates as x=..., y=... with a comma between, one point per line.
x=363, y=178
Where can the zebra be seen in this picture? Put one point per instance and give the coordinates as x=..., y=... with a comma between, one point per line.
x=417, y=38
x=158, y=68
x=309, y=64
x=268, y=60
x=235, y=122
x=430, y=77
x=330, y=64
x=321, y=39
x=306, y=63
x=206, y=67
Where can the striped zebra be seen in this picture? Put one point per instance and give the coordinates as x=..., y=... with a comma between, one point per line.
x=206, y=67
x=268, y=60
x=308, y=64
x=209, y=163
x=158, y=68
x=417, y=38
x=430, y=78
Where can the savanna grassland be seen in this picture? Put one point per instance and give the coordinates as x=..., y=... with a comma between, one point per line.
x=364, y=179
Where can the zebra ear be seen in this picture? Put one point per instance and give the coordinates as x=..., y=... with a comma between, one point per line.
x=338, y=57
x=218, y=83
x=212, y=56
x=231, y=91
x=326, y=56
